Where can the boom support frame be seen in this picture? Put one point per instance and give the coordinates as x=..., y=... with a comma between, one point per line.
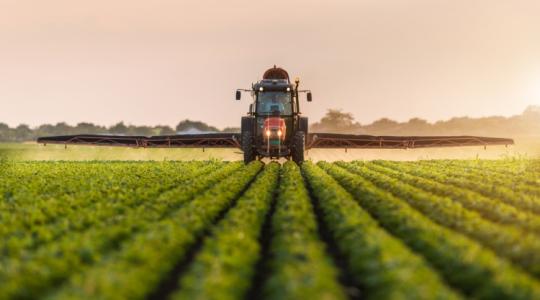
x=313, y=140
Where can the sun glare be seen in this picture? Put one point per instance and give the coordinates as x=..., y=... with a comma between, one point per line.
x=533, y=92
x=536, y=95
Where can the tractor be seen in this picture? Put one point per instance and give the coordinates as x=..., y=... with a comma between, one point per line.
x=274, y=126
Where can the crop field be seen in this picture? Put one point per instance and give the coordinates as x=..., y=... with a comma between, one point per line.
x=432, y=229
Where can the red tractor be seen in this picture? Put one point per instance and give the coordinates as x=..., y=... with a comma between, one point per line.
x=274, y=127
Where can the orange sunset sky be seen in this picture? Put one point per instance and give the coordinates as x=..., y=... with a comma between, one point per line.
x=158, y=62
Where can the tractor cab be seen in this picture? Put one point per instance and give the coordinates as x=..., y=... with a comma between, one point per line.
x=274, y=127
x=274, y=102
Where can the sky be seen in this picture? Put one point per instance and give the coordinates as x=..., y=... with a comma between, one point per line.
x=162, y=61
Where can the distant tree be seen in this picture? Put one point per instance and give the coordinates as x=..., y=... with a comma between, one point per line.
x=45, y=130
x=89, y=128
x=119, y=128
x=23, y=133
x=336, y=121
x=530, y=121
x=457, y=125
x=416, y=126
x=383, y=126
x=201, y=126
x=62, y=128
x=5, y=133
x=418, y=122
x=140, y=130
x=164, y=130
x=59, y=129
x=532, y=111
x=384, y=123
x=337, y=118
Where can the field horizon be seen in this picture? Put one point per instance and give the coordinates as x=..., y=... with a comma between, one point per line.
x=525, y=147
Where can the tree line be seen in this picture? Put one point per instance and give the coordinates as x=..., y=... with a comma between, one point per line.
x=24, y=133
x=525, y=124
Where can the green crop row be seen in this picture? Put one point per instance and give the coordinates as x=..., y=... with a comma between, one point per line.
x=299, y=267
x=525, y=170
x=86, y=209
x=464, y=263
x=46, y=195
x=218, y=230
x=496, y=211
x=111, y=215
x=382, y=265
x=483, y=186
x=44, y=191
x=149, y=257
x=35, y=270
x=225, y=266
x=517, y=245
x=520, y=181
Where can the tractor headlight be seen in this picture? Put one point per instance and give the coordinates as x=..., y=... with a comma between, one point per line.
x=279, y=133
x=268, y=132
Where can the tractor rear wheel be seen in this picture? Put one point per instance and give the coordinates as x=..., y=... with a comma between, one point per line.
x=247, y=147
x=298, y=146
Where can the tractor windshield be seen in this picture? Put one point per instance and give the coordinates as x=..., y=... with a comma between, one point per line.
x=273, y=102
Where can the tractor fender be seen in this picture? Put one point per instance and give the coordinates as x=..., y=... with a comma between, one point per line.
x=247, y=124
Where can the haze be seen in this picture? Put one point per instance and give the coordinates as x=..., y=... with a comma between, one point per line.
x=158, y=62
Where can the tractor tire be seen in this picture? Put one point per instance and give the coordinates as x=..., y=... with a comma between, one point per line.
x=298, y=147
x=247, y=147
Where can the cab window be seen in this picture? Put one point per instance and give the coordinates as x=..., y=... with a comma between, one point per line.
x=274, y=102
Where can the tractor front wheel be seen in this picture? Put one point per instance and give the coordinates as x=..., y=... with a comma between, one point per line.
x=298, y=146
x=247, y=147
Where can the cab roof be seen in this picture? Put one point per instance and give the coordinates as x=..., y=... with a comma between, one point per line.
x=272, y=85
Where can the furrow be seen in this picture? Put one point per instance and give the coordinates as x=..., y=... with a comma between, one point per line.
x=225, y=265
x=299, y=266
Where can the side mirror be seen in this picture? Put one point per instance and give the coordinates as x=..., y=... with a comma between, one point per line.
x=238, y=95
x=309, y=97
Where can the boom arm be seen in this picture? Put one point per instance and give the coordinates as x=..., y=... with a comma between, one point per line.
x=314, y=140
x=334, y=140
x=211, y=140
